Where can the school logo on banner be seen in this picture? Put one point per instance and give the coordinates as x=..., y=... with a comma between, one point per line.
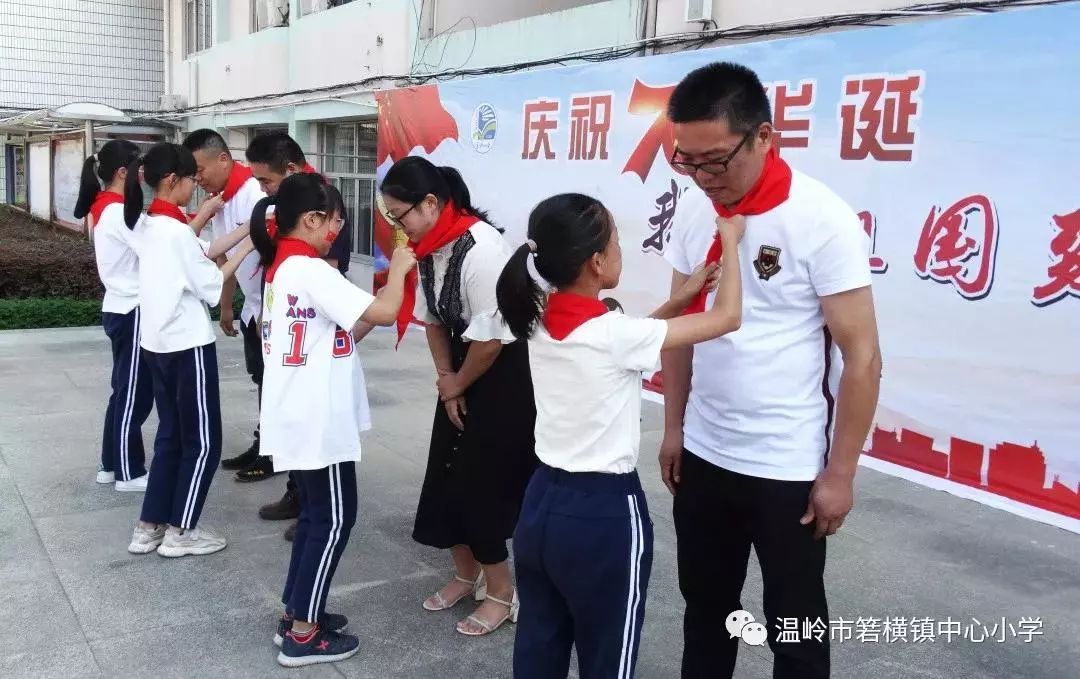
x=485, y=125
x=767, y=262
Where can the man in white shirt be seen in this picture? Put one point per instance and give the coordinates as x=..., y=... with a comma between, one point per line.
x=219, y=173
x=750, y=450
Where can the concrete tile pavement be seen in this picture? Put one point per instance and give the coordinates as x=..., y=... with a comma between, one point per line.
x=78, y=605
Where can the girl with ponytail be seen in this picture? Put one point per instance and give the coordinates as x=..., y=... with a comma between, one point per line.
x=315, y=400
x=178, y=279
x=481, y=453
x=583, y=544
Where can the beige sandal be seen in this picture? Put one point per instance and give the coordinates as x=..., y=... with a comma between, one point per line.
x=478, y=590
x=513, y=607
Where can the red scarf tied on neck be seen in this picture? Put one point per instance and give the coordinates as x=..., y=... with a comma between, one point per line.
x=239, y=175
x=289, y=247
x=451, y=225
x=565, y=311
x=771, y=189
x=103, y=200
x=166, y=209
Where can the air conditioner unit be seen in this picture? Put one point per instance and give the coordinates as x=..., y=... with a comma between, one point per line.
x=698, y=11
x=171, y=102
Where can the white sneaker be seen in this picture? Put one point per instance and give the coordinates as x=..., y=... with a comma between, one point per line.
x=136, y=485
x=104, y=477
x=191, y=542
x=146, y=540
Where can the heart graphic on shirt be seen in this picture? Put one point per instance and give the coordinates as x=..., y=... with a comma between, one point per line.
x=293, y=299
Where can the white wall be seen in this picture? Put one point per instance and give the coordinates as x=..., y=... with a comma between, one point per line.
x=40, y=186
x=670, y=14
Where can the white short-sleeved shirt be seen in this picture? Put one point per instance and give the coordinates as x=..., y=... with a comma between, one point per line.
x=588, y=392
x=761, y=398
x=232, y=215
x=314, y=403
x=480, y=272
x=117, y=260
x=176, y=283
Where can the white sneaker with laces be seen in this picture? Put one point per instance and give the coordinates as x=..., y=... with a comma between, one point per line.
x=136, y=485
x=146, y=540
x=104, y=477
x=192, y=542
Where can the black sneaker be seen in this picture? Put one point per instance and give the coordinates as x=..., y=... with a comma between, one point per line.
x=259, y=470
x=244, y=459
x=330, y=621
x=288, y=507
x=324, y=646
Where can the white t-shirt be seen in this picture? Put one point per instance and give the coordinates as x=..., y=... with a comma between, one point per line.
x=230, y=217
x=314, y=403
x=176, y=282
x=761, y=398
x=588, y=392
x=117, y=260
x=480, y=272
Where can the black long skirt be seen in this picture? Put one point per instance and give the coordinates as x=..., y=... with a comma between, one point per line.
x=476, y=478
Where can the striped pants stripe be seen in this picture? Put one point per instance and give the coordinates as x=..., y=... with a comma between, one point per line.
x=131, y=400
x=188, y=443
x=327, y=515
x=582, y=556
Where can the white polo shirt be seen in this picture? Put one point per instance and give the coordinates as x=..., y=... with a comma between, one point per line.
x=588, y=392
x=231, y=216
x=117, y=261
x=761, y=398
x=176, y=282
x=314, y=403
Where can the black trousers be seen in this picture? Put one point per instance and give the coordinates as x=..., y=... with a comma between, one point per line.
x=253, y=357
x=718, y=516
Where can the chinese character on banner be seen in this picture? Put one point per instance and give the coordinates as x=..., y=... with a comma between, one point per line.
x=540, y=120
x=590, y=122
x=814, y=629
x=894, y=629
x=661, y=221
x=1030, y=627
x=789, y=631
x=877, y=114
x=949, y=628
x=869, y=222
x=840, y=630
x=1063, y=274
x=868, y=630
x=958, y=245
x=922, y=630
x=791, y=112
x=646, y=100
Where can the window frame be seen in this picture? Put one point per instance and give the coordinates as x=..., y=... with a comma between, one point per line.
x=191, y=15
x=363, y=179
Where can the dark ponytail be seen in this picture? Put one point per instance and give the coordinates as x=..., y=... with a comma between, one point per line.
x=260, y=237
x=160, y=161
x=566, y=230
x=413, y=178
x=103, y=165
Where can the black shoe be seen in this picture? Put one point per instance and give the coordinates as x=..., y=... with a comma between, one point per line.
x=288, y=507
x=324, y=646
x=244, y=459
x=290, y=532
x=259, y=470
x=329, y=621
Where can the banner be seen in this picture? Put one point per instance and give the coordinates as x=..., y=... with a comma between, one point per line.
x=955, y=140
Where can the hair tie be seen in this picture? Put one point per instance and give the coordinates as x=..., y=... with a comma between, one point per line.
x=532, y=245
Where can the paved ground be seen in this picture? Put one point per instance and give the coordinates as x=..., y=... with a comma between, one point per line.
x=76, y=604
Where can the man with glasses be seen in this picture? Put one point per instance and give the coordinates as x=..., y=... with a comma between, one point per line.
x=750, y=450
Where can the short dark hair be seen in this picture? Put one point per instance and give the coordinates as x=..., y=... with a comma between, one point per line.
x=205, y=140
x=275, y=150
x=722, y=90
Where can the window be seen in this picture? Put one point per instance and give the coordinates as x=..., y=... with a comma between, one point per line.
x=312, y=6
x=347, y=157
x=269, y=14
x=198, y=26
x=266, y=129
x=16, y=174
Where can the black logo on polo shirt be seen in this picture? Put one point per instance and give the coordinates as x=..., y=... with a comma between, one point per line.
x=767, y=262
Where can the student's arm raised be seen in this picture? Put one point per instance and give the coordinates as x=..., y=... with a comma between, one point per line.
x=384, y=310
x=222, y=245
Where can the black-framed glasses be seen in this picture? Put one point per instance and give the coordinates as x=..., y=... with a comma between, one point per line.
x=714, y=167
x=397, y=219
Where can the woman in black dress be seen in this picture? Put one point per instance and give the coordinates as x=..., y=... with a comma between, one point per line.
x=481, y=454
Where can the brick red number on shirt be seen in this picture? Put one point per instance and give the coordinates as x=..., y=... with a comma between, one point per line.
x=296, y=356
x=343, y=344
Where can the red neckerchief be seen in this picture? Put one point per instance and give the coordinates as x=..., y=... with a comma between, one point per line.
x=771, y=189
x=271, y=226
x=239, y=175
x=450, y=226
x=289, y=247
x=565, y=311
x=167, y=209
x=104, y=200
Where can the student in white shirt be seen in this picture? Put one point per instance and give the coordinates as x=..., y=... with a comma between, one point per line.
x=750, y=450
x=219, y=175
x=316, y=404
x=583, y=544
x=177, y=280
